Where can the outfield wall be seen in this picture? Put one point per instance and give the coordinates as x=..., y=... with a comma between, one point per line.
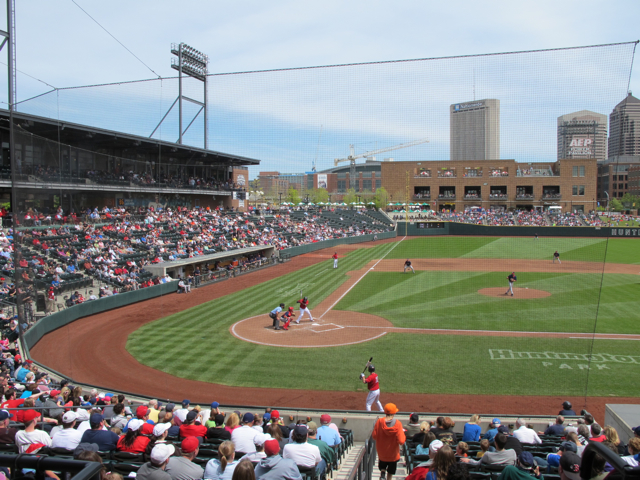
x=453, y=228
x=312, y=247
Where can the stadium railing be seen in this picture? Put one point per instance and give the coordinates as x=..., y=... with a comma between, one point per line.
x=80, y=470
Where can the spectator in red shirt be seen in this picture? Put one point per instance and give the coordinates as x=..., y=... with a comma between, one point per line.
x=192, y=429
x=133, y=441
x=596, y=433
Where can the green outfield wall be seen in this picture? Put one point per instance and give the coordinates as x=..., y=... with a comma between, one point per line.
x=452, y=228
x=312, y=247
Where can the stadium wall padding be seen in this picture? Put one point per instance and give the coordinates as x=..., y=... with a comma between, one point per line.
x=312, y=247
x=60, y=319
x=453, y=228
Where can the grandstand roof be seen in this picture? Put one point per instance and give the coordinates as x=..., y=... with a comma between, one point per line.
x=92, y=138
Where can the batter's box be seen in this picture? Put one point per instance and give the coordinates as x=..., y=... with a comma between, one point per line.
x=325, y=327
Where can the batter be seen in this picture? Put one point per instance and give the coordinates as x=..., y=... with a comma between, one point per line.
x=374, y=388
x=304, y=308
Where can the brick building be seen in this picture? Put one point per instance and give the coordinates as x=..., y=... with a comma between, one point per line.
x=500, y=184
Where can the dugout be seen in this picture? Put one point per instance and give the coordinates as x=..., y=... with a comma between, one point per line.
x=219, y=260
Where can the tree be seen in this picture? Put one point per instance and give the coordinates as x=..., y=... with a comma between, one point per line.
x=630, y=201
x=381, y=198
x=615, y=205
x=319, y=195
x=254, y=184
x=350, y=197
x=293, y=196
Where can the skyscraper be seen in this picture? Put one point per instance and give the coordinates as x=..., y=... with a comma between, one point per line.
x=624, y=128
x=475, y=130
x=582, y=134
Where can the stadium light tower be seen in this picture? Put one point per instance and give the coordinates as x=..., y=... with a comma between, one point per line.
x=192, y=63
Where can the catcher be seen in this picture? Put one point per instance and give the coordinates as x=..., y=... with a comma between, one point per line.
x=287, y=317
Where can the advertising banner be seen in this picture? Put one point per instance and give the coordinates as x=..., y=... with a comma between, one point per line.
x=322, y=180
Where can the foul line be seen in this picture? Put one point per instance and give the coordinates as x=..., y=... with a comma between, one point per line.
x=363, y=275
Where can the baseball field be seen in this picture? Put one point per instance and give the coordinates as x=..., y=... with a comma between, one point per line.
x=570, y=329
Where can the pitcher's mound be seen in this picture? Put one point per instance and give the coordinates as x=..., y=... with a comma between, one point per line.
x=518, y=293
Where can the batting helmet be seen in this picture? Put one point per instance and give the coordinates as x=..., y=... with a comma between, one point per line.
x=305, y=299
x=566, y=405
x=372, y=368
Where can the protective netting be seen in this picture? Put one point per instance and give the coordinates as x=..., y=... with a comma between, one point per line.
x=294, y=119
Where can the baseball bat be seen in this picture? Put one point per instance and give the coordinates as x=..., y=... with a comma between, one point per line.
x=365, y=367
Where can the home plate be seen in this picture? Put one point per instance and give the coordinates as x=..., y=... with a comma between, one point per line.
x=327, y=327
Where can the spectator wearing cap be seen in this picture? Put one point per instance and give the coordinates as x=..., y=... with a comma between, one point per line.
x=472, y=429
x=259, y=454
x=222, y=468
x=133, y=441
x=525, y=434
x=68, y=437
x=84, y=419
x=183, y=467
x=243, y=437
x=142, y=413
x=31, y=440
x=7, y=434
x=413, y=426
x=553, y=459
x=493, y=430
x=119, y=420
x=569, y=468
x=215, y=410
x=326, y=433
x=557, y=429
x=192, y=427
x=276, y=419
x=181, y=413
x=303, y=453
x=501, y=456
x=160, y=434
x=274, y=467
x=512, y=442
x=105, y=439
x=327, y=453
x=524, y=469
x=389, y=435
x=218, y=431
x=154, y=469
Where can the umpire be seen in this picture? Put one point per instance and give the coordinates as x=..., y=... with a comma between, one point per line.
x=274, y=316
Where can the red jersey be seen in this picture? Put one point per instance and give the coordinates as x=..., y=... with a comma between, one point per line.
x=192, y=431
x=335, y=256
x=303, y=303
x=372, y=382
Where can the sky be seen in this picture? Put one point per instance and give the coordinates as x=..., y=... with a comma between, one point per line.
x=291, y=119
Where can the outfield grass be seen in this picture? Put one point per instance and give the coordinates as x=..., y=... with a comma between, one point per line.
x=202, y=348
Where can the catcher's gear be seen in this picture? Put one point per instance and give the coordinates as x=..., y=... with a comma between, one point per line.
x=372, y=368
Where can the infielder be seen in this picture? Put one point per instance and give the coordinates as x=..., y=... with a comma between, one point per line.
x=374, y=388
x=335, y=259
x=556, y=256
x=512, y=279
x=274, y=316
x=407, y=264
x=304, y=308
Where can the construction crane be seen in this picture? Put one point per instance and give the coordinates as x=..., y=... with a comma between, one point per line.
x=353, y=157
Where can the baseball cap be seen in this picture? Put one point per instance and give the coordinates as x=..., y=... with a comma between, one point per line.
x=4, y=414
x=169, y=407
x=248, y=417
x=85, y=447
x=29, y=415
x=192, y=415
x=414, y=418
x=260, y=438
x=96, y=418
x=219, y=419
x=266, y=417
x=526, y=459
x=435, y=446
x=636, y=430
x=390, y=409
x=570, y=463
x=275, y=414
x=189, y=444
x=496, y=421
x=312, y=426
x=503, y=429
x=53, y=393
x=568, y=447
x=134, y=424
x=161, y=452
x=160, y=428
x=69, y=417
x=215, y=405
x=301, y=430
x=82, y=415
x=271, y=447
x=186, y=402
x=141, y=411
x=325, y=418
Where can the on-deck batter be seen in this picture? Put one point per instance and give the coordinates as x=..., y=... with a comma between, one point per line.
x=374, y=388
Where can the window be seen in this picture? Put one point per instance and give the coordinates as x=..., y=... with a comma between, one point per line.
x=575, y=190
x=342, y=185
x=578, y=190
x=575, y=171
x=378, y=183
x=582, y=170
x=366, y=185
